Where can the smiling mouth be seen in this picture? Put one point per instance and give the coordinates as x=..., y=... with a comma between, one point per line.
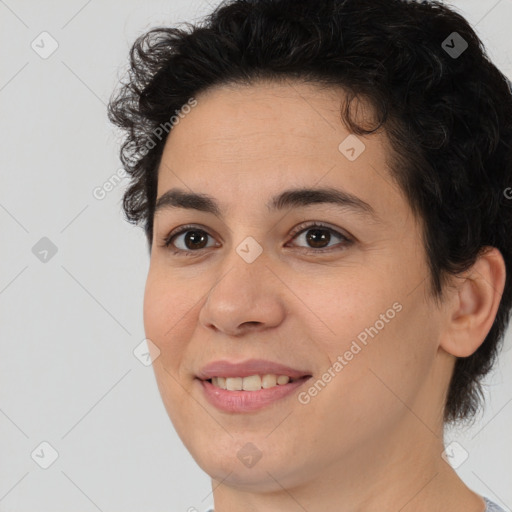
x=253, y=382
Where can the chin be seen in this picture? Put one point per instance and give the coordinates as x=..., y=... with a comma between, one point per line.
x=266, y=474
x=262, y=480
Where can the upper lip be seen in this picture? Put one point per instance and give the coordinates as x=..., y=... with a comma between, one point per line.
x=224, y=368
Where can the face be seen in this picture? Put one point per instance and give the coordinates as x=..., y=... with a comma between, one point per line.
x=344, y=302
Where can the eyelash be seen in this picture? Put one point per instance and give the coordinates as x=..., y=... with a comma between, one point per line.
x=297, y=231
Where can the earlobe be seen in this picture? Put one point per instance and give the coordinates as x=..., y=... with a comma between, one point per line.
x=472, y=311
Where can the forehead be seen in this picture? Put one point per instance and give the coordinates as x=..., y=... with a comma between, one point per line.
x=232, y=119
x=247, y=142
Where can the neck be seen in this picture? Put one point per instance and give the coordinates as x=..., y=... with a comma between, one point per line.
x=399, y=473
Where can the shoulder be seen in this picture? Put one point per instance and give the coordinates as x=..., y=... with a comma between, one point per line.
x=491, y=506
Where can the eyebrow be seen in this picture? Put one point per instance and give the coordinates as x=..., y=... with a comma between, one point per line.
x=292, y=198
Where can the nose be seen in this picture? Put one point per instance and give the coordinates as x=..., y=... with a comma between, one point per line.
x=245, y=297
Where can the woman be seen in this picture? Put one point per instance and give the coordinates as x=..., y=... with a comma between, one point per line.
x=322, y=189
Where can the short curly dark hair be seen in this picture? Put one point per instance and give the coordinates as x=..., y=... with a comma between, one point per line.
x=448, y=116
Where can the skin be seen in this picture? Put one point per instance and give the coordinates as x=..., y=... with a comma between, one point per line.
x=371, y=440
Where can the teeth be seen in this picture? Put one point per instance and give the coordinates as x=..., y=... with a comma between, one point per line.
x=283, y=379
x=268, y=381
x=234, y=383
x=251, y=383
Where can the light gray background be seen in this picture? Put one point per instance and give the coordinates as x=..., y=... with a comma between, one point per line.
x=69, y=326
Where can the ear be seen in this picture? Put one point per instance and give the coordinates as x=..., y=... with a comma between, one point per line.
x=473, y=306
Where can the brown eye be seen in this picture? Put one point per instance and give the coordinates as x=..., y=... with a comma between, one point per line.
x=193, y=240
x=318, y=236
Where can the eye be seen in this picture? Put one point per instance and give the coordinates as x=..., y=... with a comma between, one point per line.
x=195, y=239
x=317, y=235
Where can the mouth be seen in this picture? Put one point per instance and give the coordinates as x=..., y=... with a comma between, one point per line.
x=239, y=387
x=243, y=401
x=250, y=368
x=253, y=383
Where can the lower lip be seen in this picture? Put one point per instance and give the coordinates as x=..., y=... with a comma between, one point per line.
x=245, y=401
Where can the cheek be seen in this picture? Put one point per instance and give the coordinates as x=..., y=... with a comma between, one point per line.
x=350, y=310
x=165, y=303
x=165, y=312
x=380, y=327
x=394, y=361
